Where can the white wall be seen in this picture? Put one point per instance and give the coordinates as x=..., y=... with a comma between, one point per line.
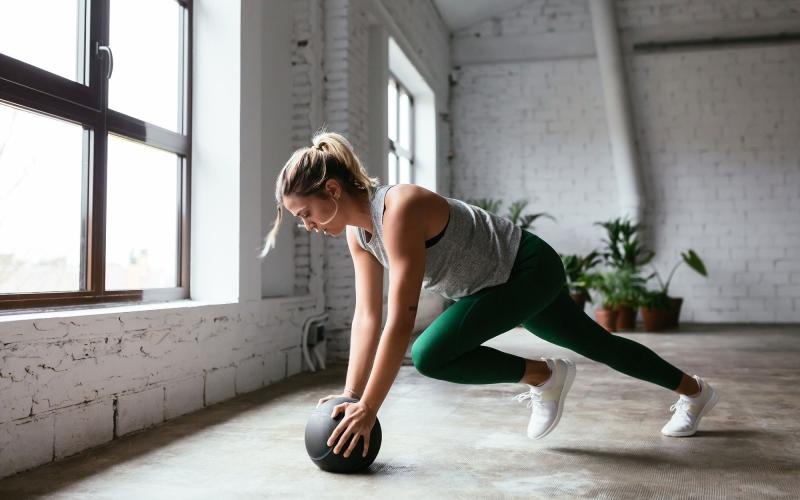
x=716, y=138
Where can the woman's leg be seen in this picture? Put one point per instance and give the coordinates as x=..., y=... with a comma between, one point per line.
x=564, y=323
x=535, y=295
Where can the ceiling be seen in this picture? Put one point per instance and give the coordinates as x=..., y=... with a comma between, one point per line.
x=459, y=14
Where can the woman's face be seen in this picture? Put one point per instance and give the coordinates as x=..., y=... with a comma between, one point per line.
x=317, y=214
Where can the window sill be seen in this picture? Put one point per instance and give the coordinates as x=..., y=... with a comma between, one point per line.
x=96, y=310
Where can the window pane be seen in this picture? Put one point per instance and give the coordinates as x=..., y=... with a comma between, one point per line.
x=392, y=111
x=145, y=40
x=392, y=168
x=40, y=203
x=43, y=33
x=142, y=217
x=405, y=121
x=405, y=171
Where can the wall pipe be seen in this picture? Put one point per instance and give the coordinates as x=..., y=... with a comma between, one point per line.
x=618, y=108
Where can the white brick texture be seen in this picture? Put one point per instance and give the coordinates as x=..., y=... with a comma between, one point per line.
x=81, y=426
x=717, y=133
x=718, y=144
x=60, y=377
x=139, y=410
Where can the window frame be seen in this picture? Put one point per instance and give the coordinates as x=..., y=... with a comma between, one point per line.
x=28, y=87
x=394, y=148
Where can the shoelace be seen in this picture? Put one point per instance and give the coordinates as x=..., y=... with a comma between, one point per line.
x=535, y=398
x=681, y=405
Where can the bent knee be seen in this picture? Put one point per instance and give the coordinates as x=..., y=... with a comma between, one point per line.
x=424, y=360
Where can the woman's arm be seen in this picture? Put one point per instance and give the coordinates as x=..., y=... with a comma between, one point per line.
x=365, y=330
x=404, y=241
x=405, y=246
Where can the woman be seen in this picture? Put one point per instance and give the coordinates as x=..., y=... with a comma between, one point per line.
x=499, y=275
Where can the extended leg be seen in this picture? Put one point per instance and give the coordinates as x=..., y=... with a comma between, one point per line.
x=565, y=324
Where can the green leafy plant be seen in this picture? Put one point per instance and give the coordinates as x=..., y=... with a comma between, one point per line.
x=524, y=221
x=691, y=259
x=622, y=246
x=577, y=267
x=617, y=287
x=515, y=210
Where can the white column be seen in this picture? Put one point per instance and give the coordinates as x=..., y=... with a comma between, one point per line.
x=618, y=108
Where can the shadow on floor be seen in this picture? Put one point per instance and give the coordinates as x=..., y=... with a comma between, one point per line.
x=737, y=450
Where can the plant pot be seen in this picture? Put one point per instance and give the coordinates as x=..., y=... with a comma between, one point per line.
x=674, y=312
x=655, y=320
x=607, y=318
x=579, y=298
x=626, y=318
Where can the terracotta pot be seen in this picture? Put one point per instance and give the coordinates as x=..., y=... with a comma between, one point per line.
x=580, y=299
x=607, y=318
x=674, y=312
x=655, y=320
x=626, y=318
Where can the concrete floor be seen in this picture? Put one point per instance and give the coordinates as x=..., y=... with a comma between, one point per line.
x=443, y=440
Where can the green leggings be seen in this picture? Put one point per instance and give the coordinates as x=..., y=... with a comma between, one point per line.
x=535, y=296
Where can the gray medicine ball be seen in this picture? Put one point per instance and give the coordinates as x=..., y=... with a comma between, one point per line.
x=319, y=428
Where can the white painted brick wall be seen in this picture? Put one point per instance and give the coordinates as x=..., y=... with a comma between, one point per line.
x=536, y=131
x=71, y=382
x=641, y=13
x=220, y=384
x=307, y=102
x=183, y=396
x=82, y=426
x=534, y=17
x=717, y=134
x=139, y=410
x=26, y=443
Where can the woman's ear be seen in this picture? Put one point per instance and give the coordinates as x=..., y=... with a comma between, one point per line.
x=333, y=188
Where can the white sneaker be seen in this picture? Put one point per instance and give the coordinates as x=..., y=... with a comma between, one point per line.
x=547, y=401
x=688, y=411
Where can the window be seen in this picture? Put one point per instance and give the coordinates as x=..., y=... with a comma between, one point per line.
x=95, y=142
x=401, y=133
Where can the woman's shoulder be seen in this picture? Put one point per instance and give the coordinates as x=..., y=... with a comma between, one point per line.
x=412, y=202
x=403, y=194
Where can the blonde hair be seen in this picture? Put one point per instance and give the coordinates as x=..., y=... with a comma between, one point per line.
x=330, y=157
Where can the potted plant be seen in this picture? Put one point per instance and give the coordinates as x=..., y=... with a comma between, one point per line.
x=576, y=268
x=514, y=211
x=524, y=221
x=623, y=251
x=606, y=284
x=695, y=262
x=655, y=307
x=630, y=289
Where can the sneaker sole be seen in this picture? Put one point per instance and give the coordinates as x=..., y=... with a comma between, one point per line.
x=567, y=385
x=707, y=408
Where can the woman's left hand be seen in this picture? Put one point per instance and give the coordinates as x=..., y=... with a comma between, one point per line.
x=357, y=423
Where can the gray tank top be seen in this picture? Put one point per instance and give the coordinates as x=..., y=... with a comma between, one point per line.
x=477, y=249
